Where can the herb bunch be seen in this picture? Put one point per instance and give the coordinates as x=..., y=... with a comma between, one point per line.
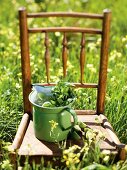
x=63, y=94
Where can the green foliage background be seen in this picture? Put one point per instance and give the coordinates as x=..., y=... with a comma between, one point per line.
x=11, y=107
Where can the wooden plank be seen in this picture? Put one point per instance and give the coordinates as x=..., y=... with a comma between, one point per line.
x=103, y=62
x=110, y=130
x=90, y=119
x=25, y=60
x=79, y=85
x=21, y=131
x=65, y=29
x=116, y=141
x=85, y=112
x=65, y=14
x=86, y=85
x=32, y=146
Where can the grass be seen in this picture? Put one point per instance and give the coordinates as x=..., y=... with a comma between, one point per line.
x=11, y=106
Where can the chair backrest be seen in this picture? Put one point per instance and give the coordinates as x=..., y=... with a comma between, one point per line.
x=25, y=30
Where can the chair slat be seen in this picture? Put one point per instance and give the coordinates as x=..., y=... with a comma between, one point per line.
x=78, y=85
x=65, y=14
x=47, y=57
x=64, y=54
x=82, y=57
x=65, y=29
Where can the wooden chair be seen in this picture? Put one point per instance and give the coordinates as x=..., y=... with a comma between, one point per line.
x=25, y=141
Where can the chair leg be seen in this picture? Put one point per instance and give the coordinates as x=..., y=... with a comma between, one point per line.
x=122, y=152
x=13, y=159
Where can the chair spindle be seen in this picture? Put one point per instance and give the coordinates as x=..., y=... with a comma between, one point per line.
x=82, y=57
x=64, y=54
x=47, y=56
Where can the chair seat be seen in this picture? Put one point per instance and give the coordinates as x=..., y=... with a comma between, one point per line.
x=32, y=146
x=27, y=144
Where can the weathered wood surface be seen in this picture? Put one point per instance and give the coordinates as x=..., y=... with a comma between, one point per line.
x=65, y=14
x=21, y=131
x=103, y=62
x=65, y=29
x=78, y=85
x=25, y=59
x=52, y=149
